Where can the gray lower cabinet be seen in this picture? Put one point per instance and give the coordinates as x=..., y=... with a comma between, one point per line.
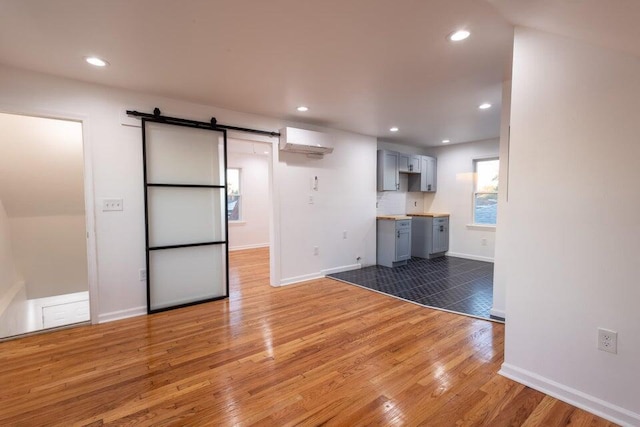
x=393, y=242
x=429, y=236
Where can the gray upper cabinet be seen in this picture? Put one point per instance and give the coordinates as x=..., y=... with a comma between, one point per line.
x=404, y=162
x=409, y=163
x=421, y=170
x=426, y=180
x=415, y=163
x=429, y=174
x=388, y=178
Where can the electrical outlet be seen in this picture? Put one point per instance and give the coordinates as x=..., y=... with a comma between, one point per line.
x=608, y=340
x=112, y=205
x=310, y=200
x=142, y=274
x=316, y=251
x=415, y=204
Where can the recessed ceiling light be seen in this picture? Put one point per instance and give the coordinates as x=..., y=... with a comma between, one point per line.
x=394, y=129
x=484, y=106
x=444, y=141
x=98, y=62
x=302, y=108
x=459, y=35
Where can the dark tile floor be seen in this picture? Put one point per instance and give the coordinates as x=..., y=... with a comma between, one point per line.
x=455, y=284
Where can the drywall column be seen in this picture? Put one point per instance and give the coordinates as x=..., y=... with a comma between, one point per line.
x=573, y=234
x=502, y=247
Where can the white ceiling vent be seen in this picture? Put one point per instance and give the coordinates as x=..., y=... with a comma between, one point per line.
x=305, y=141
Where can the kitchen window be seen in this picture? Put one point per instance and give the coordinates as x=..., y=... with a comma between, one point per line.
x=485, y=195
x=234, y=196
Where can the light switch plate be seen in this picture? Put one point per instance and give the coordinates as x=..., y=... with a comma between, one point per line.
x=109, y=205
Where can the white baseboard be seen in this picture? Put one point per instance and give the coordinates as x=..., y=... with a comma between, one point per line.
x=469, y=256
x=243, y=247
x=122, y=314
x=498, y=313
x=8, y=297
x=341, y=269
x=303, y=278
x=320, y=275
x=572, y=396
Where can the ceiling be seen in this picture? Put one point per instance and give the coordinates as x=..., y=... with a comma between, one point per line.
x=41, y=166
x=607, y=23
x=359, y=65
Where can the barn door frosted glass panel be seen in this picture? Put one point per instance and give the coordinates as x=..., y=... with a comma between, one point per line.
x=183, y=155
x=185, y=275
x=186, y=215
x=183, y=215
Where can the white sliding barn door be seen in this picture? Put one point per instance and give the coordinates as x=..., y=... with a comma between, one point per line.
x=186, y=214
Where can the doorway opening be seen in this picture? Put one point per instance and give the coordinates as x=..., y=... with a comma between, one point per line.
x=248, y=209
x=44, y=277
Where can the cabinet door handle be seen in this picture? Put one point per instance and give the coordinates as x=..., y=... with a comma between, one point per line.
x=398, y=234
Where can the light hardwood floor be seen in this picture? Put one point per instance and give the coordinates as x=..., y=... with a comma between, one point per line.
x=322, y=352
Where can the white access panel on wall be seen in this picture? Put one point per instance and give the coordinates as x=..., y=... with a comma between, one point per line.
x=186, y=218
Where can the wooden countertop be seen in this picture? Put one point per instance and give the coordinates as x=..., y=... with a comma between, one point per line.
x=393, y=217
x=431, y=214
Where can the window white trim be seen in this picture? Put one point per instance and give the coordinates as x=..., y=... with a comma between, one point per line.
x=483, y=227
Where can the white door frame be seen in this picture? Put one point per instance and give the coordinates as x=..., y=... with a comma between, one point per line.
x=89, y=198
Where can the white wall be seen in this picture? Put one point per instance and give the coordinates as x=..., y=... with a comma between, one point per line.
x=400, y=202
x=573, y=230
x=42, y=166
x=454, y=195
x=253, y=229
x=51, y=254
x=346, y=200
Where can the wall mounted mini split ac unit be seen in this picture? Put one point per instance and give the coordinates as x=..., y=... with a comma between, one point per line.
x=311, y=143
